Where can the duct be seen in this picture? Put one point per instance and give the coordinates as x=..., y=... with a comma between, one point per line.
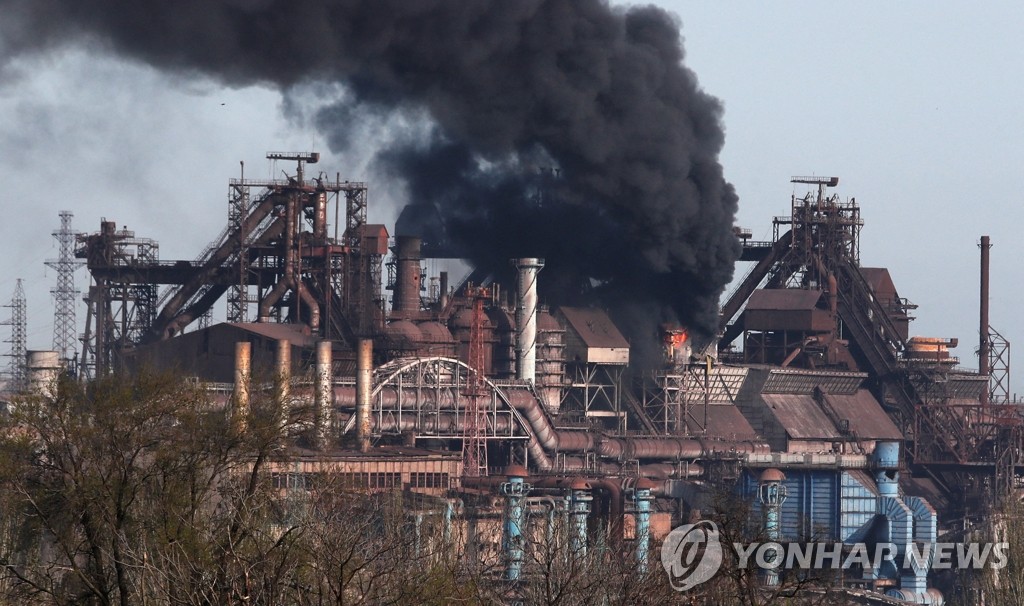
x=364, y=388
x=547, y=439
x=212, y=263
x=526, y=318
x=289, y=264
x=186, y=317
x=292, y=279
x=310, y=301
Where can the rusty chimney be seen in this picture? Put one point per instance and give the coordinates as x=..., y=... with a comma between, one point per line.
x=243, y=367
x=983, y=331
x=364, y=388
x=526, y=318
x=407, y=275
x=283, y=378
x=322, y=414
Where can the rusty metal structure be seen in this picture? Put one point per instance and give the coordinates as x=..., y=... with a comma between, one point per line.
x=815, y=373
x=808, y=302
x=266, y=257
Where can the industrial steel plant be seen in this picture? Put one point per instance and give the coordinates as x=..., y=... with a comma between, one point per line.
x=490, y=398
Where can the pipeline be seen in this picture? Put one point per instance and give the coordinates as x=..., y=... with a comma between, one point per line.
x=291, y=277
x=545, y=440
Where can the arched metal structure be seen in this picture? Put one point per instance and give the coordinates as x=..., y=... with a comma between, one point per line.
x=422, y=395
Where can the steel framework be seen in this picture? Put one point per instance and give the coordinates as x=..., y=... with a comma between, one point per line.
x=65, y=295
x=474, y=445
x=19, y=335
x=951, y=435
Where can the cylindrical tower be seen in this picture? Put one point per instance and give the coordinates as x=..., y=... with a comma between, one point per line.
x=364, y=387
x=407, y=275
x=526, y=318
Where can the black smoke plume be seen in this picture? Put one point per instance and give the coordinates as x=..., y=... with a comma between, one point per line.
x=564, y=129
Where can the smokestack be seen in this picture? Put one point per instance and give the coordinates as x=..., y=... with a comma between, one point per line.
x=407, y=275
x=443, y=294
x=983, y=331
x=364, y=387
x=283, y=378
x=43, y=370
x=323, y=414
x=243, y=366
x=632, y=138
x=526, y=318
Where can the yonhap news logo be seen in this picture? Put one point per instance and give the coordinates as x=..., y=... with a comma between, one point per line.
x=693, y=554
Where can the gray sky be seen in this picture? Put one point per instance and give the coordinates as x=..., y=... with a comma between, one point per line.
x=913, y=105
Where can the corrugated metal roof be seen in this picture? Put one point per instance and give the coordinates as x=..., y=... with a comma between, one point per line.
x=801, y=417
x=792, y=380
x=782, y=299
x=273, y=330
x=724, y=421
x=594, y=327
x=867, y=419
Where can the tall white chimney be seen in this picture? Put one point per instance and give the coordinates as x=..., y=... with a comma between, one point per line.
x=526, y=318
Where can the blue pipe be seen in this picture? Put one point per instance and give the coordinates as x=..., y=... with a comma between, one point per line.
x=515, y=517
x=643, y=498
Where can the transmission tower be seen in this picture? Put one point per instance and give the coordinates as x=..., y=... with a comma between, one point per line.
x=65, y=331
x=19, y=335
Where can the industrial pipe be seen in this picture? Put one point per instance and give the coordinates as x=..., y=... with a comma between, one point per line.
x=642, y=503
x=364, y=389
x=545, y=438
x=579, y=508
x=983, y=331
x=515, y=518
x=771, y=492
x=526, y=318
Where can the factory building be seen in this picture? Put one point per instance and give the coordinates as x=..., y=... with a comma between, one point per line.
x=814, y=391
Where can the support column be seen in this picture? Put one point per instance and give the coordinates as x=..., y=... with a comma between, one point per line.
x=515, y=491
x=364, y=388
x=642, y=501
x=323, y=413
x=579, y=510
x=772, y=495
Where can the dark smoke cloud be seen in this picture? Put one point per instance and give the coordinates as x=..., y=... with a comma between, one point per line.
x=566, y=129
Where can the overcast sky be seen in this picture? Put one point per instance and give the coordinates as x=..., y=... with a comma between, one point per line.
x=915, y=106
